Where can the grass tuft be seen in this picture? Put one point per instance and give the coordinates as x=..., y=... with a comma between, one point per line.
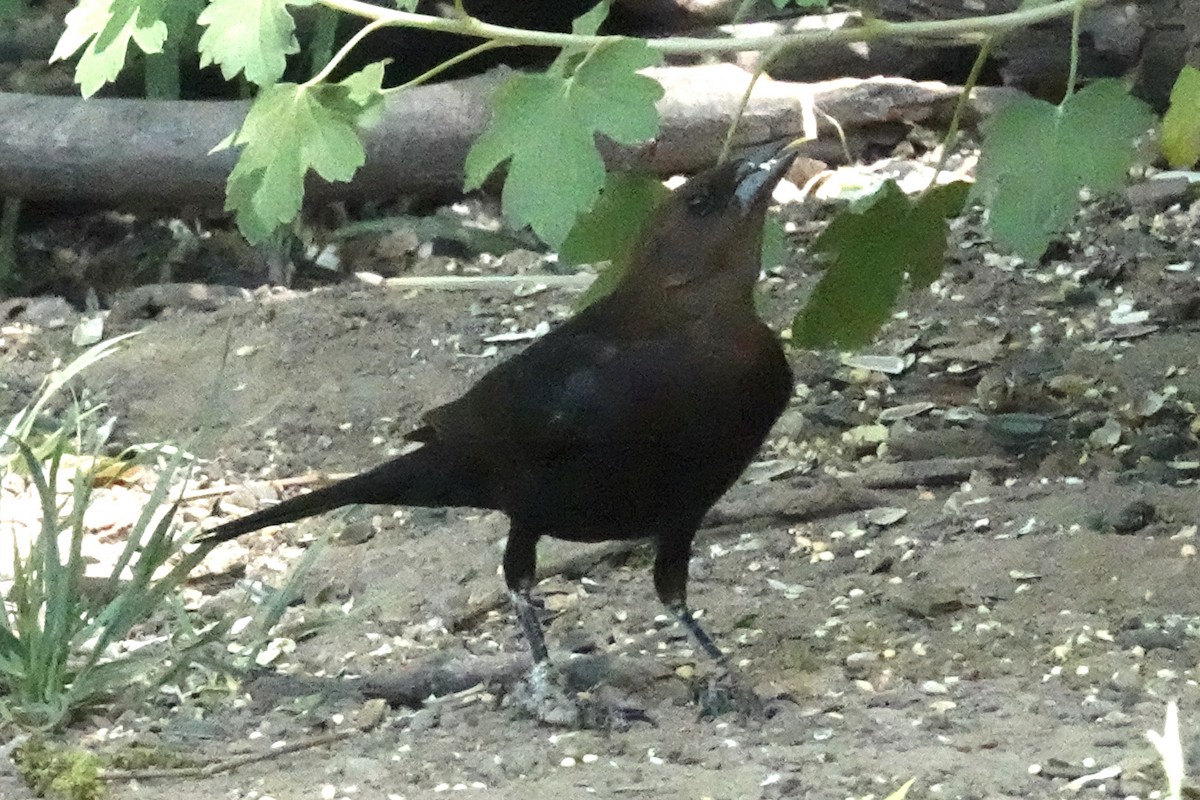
x=62, y=648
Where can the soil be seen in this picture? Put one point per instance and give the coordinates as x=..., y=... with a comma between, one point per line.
x=996, y=637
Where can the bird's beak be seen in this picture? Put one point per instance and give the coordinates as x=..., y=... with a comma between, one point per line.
x=758, y=174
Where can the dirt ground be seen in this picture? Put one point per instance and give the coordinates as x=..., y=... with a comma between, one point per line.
x=995, y=636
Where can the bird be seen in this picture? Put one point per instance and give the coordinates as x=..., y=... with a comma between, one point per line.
x=627, y=421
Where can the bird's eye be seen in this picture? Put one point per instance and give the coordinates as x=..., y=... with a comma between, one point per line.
x=702, y=204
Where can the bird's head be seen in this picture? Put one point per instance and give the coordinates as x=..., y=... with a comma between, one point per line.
x=706, y=238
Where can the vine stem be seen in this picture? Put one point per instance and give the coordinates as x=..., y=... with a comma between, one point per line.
x=1074, y=72
x=366, y=31
x=971, y=29
x=960, y=109
x=483, y=47
x=759, y=69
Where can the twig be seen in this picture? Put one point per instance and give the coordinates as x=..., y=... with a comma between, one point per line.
x=932, y=472
x=580, y=281
x=225, y=765
x=278, y=483
x=441, y=677
x=461, y=679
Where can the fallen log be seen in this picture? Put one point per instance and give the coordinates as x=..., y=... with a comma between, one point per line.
x=127, y=153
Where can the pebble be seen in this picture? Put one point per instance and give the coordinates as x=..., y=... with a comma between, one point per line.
x=859, y=665
x=371, y=713
x=423, y=720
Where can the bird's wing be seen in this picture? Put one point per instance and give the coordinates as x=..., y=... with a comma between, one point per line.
x=573, y=391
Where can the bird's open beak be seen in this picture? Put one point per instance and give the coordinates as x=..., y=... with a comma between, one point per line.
x=758, y=174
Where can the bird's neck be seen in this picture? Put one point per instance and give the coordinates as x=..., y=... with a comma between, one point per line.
x=721, y=290
x=717, y=301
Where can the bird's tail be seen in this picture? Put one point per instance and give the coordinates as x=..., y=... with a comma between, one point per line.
x=425, y=477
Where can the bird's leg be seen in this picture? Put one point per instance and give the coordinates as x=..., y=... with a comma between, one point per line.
x=547, y=693
x=670, y=582
x=531, y=626
x=684, y=615
x=542, y=694
x=520, y=574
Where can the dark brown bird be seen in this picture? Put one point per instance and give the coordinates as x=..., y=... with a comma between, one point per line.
x=628, y=421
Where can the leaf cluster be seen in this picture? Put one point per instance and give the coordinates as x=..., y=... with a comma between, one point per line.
x=1037, y=157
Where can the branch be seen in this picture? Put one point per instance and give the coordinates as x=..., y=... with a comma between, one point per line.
x=970, y=29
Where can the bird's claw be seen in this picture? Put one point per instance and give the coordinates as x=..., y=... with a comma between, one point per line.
x=543, y=695
x=607, y=709
x=726, y=692
x=546, y=694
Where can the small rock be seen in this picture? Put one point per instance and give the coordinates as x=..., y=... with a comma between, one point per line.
x=577, y=640
x=791, y=424
x=263, y=491
x=357, y=533
x=926, y=602
x=859, y=666
x=1125, y=681
x=1133, y=517
x=837, y=413
x=371, y=713
x=1158, y=193
x=424, y=720
x=1019, y=430
x=361, y=769
x=1173, y=638
x=918, y=445
x=41, y=312
x=791, y=786
x=1107, y=435
x=147, y=302
x=885, y=515
x=889, y=365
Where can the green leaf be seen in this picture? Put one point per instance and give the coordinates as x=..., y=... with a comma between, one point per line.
x=1037, y=157
x=609, y=230
x=358, y=96
x=407, y=5
x=588, y=23
x=104, y=28
x=545, y=127
x=555, y=171
x=1181, y=123
x=289, y=130
x=607, y=93
x=871, y=248
x=774, y=243
x=254, y=38
x=162, y=69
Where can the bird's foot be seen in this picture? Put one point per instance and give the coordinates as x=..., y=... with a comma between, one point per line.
x=543, y=695
x=554, y=696
x=605, y=708
x=729, y=691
